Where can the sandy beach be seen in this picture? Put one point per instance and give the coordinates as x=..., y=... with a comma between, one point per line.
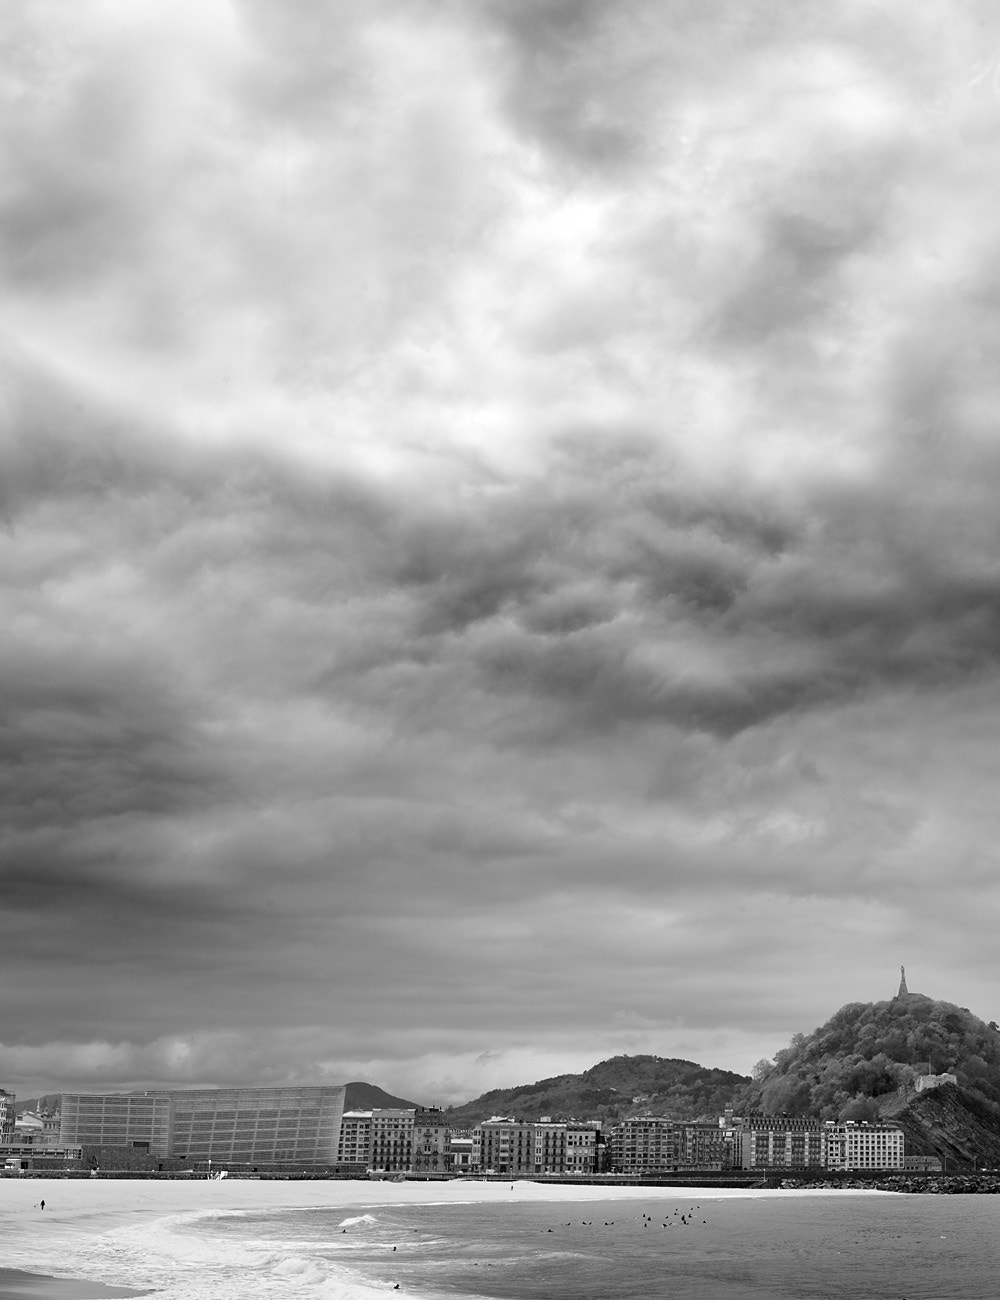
x=36, y=1240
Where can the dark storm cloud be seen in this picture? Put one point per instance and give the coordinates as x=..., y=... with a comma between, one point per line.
x=600, y=597
x=585, y=595
x=96, y=748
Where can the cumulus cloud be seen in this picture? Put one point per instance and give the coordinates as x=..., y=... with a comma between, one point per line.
x=497, y=533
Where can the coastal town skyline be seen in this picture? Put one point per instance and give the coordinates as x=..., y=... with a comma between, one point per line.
x=270, y=1129
x=499, y=563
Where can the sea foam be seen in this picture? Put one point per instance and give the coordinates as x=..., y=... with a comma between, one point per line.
x=191, y=1257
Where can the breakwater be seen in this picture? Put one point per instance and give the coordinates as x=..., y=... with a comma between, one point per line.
x=982, y=1184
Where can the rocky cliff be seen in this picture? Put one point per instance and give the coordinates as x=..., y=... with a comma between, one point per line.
x=950, y=1122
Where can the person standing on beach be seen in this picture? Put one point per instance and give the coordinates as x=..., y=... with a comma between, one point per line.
x=42, y=1206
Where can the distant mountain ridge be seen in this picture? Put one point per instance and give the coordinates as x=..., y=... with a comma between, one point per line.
x=614, y=1089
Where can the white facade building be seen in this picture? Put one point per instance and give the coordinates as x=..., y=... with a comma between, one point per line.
x=354, y=1144
x=852, y=1146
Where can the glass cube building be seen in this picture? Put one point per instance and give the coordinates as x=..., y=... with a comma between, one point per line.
x=245, y=1126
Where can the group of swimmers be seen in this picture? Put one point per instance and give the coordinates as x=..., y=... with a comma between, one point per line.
x=647, y=1220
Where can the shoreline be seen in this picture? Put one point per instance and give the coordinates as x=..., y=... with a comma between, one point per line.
x=87, y=1207
x=70, y=1199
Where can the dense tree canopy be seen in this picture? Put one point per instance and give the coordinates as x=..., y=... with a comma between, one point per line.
x=868, y=1050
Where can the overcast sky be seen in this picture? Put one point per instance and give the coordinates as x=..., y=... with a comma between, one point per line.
x=499, y=532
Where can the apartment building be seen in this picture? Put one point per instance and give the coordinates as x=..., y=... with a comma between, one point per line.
x=583, y=1148
x=504, y=1146
x=645, y=1145
x=775, y=1142
x=7, y=1116
x=461, y=1151
x=786, y=1142
x=392, y=1139
x=354, y=1145
x=431, y=1142
x=550, y=1147
x=654, y=1144
x=852, y=1146
x=701, y=1146
x=509, y=1147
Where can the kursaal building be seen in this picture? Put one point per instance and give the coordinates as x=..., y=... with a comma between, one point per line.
x=239, y=1126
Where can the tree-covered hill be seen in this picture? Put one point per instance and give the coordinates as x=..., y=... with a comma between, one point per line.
x=613, y=1089
x=851, y=1066
x=365, y=1096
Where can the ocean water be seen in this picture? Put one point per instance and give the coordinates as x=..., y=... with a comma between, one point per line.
x=686, y=1247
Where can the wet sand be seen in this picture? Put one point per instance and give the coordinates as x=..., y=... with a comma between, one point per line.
x=17, y=1285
